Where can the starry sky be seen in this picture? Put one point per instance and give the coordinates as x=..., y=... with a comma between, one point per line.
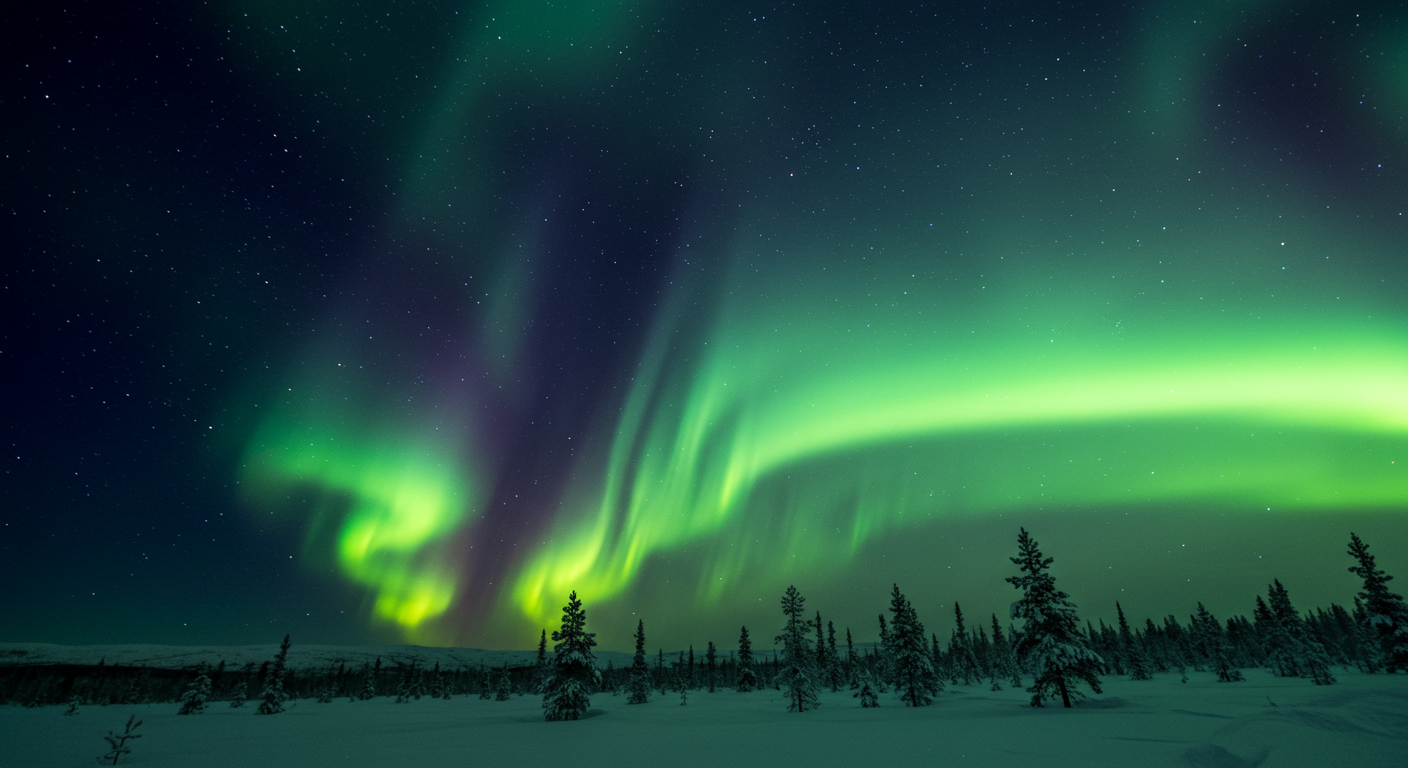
x=396, y=322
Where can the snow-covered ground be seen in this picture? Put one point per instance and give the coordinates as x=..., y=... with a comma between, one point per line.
x=1362, y=721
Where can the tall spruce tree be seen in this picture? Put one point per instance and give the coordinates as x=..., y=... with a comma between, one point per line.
x=882, y=667
x=1132, y=649
x=912, y=669
x=960, y=651
x=747, y=678
x=640, y=671
x=1211, y=648
x=833, y=659
x=1385, y=613
x=866, y=690
x=850, y=661
x=241, y=694
x=272, y=702
x=798, y=673
x=711, y=662
x=503, y=690
x=540, y=669
x=574, y=673
x=1292, y=648
x=1052, y=645
x=368, y=691
x=1003, y=665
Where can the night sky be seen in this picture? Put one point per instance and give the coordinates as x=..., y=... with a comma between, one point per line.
x=395, y=322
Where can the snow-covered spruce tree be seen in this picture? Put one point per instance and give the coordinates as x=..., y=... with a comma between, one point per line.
x=540, y=669
x=1003, y=647
x=711, y=662
x=1317, y=662
x=574, y=674
x=982, y=652
x=272, y=701
x=639, y=691
x=965, y=667
x=1369, y=655
x=240, y=695
x=798, y=673
x=1212, y=648
x=1290, y=647
x=866, y=692
x=197, y=693
x=997, y=667
x=487, y=686
x=1308, y=655
x=1132, y=649
x=834, y=670
x=912, y=669
x=368, y=691
x=747, y=678
x=503, y=689
x=441, y=687
x=1385, y=613
x=881, y=668
x=851, y=661
x=1280, y=659
x=1052, y=645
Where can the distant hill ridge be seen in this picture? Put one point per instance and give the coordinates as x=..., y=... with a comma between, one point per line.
x=299, y=656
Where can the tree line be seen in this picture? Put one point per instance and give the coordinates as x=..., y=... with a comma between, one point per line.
x=1051, y=649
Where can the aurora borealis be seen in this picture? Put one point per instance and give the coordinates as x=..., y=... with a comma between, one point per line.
x=399, y=323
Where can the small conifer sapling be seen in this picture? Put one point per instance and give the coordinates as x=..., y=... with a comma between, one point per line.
x=196, y=695
x=117, y=742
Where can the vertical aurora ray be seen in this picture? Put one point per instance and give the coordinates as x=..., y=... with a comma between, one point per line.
x=810, y=417
x=396, y=496
x=1050, y=280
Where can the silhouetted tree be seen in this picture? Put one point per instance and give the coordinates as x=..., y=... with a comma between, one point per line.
x=193, y=700
x=273, y=699
x=1051, y=645
x=1385, y=612
x=639, y=692
x=912, y=669
x=574, y=672
x=747, y=678
x=798, y=673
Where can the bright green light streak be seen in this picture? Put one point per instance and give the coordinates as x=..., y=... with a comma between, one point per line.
x=689, y=469
x=398, y=500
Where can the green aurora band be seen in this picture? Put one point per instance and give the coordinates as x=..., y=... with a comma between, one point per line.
x=1044, y=347
x=785, y=428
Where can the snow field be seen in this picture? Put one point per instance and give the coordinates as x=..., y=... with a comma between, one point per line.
x=1361, y=721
